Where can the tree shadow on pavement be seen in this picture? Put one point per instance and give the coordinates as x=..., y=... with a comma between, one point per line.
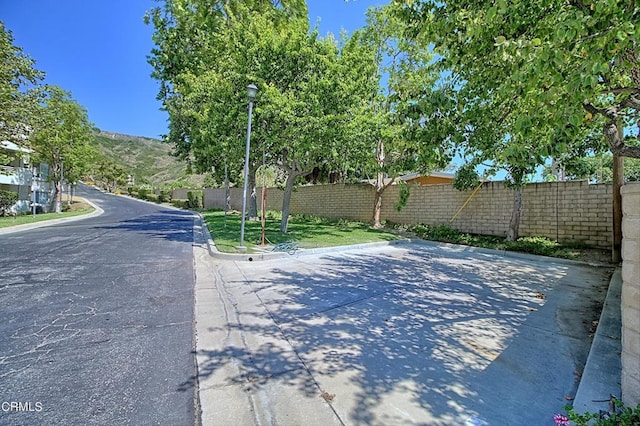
x=418, y=335
x=168, y=225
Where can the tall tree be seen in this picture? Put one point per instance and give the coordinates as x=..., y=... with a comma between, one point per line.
x=195, y=44
x=543, y=74
x=63, y=138
x=18, y=100
x=393, y=119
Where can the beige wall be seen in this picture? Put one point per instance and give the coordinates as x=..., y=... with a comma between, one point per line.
x=630, y=308
x=564, y=211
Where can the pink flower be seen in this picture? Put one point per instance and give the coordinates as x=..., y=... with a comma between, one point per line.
x=561, y=420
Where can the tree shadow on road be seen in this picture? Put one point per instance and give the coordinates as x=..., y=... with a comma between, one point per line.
x=168, y=225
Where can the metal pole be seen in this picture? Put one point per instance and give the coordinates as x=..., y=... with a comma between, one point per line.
x=246, y=179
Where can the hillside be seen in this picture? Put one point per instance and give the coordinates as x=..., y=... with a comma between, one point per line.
x=148, y=160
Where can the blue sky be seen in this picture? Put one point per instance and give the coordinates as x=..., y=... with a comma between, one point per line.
x=97, y=50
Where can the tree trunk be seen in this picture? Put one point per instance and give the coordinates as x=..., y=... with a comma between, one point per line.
x=380, y=187
x=514, y=223
x=377, y=204
x=286, y=199
x=57, y=197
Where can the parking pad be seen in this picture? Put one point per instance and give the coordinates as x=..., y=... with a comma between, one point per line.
x=408, y=334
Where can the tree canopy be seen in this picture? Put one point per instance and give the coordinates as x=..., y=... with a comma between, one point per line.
x=542, y=74
x=18, y=100
x=63, y=138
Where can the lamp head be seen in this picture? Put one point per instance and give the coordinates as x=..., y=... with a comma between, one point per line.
x=251, y=91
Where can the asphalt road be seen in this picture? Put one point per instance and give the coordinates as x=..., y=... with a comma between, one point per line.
x=97, y=319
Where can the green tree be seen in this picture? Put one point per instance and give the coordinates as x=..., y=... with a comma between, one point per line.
x=392, y=121
x=196, y=60
x=18, y=100
x=529, y=80
x=63, y=138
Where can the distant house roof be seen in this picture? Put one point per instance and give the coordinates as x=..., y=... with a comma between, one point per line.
x=442, y=175
x=10, y=146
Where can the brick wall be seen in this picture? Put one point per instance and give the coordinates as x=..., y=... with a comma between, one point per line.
x=630, y=300
x=563, y=211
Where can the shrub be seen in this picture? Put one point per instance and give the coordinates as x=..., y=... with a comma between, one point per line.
x=619, y=414
x=132, y=190
x=180, y=203
x=152, y=197
x=143, y=193
x=195, y=199
x=164, y=196
x=7, y=199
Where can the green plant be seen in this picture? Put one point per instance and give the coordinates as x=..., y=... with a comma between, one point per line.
x=618, y=415
x=132, y=191
x=164, y=196
x=142, y=193
x=535, y=245
x=7, y=199
x=153, y=197
x=403, y=195
x=195, y=199
x=180, y=203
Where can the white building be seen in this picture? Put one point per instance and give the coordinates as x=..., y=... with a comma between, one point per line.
x=26, y=179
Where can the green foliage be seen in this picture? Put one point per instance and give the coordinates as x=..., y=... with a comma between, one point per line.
x=152, y=197
x=541, y=246
x=18, y=101
x=147, y=160
x=403, y=195
x=164, y=195
x=195, y=199
x=180, y=203
x=7, y=199
x=619, y=415
x=466, y=178
x=143, y=193
x=63, y=137
x=529, y=80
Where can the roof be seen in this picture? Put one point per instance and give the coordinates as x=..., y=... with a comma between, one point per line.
x=410, y=176
x=10, y=146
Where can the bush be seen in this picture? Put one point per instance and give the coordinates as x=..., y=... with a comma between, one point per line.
x=195, y=199
x=132, y=191
x=152, y=197
x=7, y=199
x=165, y=196
x=143, y=193
x=180, y=203
x=619, y=414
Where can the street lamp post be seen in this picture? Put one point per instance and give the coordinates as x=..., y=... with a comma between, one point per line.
x=251, y=92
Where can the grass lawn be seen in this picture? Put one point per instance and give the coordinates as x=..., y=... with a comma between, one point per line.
x=77, y=208
x=307, y=231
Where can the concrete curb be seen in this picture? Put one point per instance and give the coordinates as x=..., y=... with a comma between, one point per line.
x=28, y=226
x=603, y=370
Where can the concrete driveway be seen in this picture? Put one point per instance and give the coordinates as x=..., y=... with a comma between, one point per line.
x=409, y=334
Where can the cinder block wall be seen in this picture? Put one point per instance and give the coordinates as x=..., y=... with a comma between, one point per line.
x=563, y=211
x=630, y=308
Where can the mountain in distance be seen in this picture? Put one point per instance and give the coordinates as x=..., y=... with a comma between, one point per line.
x=148, y=160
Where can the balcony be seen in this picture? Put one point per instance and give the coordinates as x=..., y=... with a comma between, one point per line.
x=15, y=175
